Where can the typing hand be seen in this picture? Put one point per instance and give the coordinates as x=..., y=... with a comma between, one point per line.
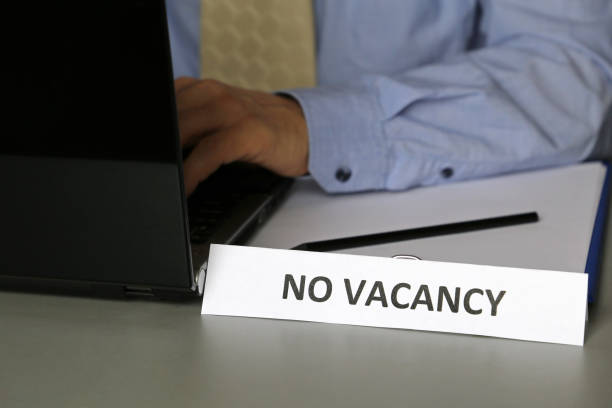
x=224, y=124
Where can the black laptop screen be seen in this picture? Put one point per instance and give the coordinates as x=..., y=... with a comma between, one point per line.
x=88, y=80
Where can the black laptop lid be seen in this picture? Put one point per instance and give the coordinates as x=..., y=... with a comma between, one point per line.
x=89, y=79
x=89, y=158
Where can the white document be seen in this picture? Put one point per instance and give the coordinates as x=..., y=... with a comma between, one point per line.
x=565, y=198
x=523, y=304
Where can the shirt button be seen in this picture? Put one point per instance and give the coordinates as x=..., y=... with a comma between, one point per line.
x=447, y=172
x=343, y=174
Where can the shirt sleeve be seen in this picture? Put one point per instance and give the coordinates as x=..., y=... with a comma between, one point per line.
x=534, y=94
x=184, y=31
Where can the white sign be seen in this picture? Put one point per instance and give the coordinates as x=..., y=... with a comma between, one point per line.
x=523, y=304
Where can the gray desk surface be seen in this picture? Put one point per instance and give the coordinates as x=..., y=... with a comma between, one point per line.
x=60, y=351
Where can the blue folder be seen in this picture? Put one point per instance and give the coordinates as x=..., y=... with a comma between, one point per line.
x=593, y=264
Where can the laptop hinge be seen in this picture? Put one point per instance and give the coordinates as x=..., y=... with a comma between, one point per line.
x=138, y=291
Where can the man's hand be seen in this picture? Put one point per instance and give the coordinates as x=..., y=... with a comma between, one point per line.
x=225, y=124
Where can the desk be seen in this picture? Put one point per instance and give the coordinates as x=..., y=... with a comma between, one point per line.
x=59, y=351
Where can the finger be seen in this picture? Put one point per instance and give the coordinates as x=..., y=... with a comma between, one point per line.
x=198, y=122
x=181, y=83
x=210, y=153
x=199, y=93
x=193, y=127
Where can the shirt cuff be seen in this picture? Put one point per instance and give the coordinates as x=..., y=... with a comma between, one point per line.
x=347, y=150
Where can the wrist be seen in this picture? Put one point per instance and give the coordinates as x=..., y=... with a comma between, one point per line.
x=298, y=128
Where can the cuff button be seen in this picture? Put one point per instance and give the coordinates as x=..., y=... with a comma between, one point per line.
x=447, y=172
x=343, y=174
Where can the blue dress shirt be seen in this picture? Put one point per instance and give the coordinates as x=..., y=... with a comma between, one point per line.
x=422, y=92
x=184, y=26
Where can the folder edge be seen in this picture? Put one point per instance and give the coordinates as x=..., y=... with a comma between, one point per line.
x=593, y=264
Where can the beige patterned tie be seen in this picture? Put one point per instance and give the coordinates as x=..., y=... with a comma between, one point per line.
x=258, y=44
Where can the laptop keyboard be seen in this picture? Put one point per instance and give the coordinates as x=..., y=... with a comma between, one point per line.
x=205, y=215
x=217, y=198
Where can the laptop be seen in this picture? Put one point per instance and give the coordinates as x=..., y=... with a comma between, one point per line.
x=91, y=164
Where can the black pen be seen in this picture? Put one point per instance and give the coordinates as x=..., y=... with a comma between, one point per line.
x=417, y=233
